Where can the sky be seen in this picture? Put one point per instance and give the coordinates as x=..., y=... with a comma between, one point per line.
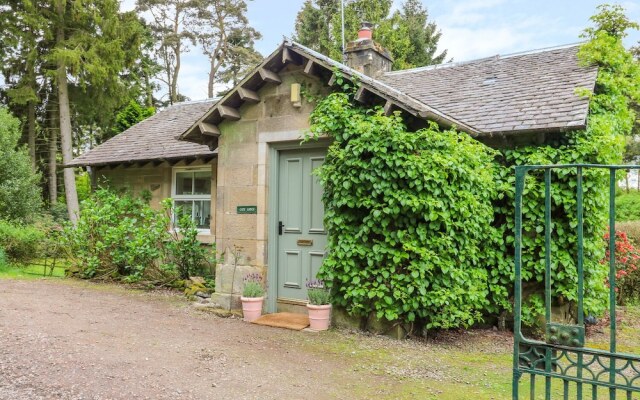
x=470, y=29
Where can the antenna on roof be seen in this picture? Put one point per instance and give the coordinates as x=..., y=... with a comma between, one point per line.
x=342, y=19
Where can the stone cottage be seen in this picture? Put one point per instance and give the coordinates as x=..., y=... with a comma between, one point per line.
x=149, y=157
x=266, y=208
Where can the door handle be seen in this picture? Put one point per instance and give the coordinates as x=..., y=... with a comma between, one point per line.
x=280, y=227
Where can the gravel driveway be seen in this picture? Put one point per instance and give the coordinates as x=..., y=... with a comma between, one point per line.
x=62, y=339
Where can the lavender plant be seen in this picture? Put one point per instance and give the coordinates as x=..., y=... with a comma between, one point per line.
x=317, y=293
x=253, y=285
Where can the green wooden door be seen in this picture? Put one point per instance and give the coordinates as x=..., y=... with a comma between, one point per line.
x=301, y=235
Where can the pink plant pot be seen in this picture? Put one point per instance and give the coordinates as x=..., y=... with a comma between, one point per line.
x=319, y=316
x=251, y=308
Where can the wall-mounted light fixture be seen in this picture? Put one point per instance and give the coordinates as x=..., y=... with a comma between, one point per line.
x=296, y=100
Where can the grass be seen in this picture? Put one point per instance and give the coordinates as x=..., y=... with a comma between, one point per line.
x=628, y=206
x=33, y=270
x=473, y=364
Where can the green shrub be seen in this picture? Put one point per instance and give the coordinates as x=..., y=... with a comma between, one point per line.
x=4, y=261
x=21, y=243
x=183, y=249
x=118, y=236
x=628, y=206
x=409, y=216
x=20, y=197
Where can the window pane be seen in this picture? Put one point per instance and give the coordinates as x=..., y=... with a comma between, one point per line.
x=202, y=183
x=199, y=210
x=184, y=183
x=202, y=214
x=182, y=208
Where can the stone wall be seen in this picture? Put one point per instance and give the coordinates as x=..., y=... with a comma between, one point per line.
x=243, y=170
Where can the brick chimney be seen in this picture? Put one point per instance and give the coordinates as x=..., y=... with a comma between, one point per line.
x=366, y=56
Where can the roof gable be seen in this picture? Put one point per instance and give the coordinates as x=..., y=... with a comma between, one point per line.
x=206, y=131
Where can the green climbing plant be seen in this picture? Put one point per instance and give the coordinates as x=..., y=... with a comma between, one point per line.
x=408, y=214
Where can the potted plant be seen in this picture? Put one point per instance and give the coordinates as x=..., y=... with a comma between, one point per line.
x=319, y=305
x=252, y=297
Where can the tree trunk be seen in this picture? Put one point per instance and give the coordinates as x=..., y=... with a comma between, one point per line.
x=626, y=179
x=211, y=79
x=66, y=141
x=149, y=91
x=174, y=82
x=176, y=70
x=31, y=132
x=53, y=153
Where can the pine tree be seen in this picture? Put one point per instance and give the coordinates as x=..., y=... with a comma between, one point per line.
x=241, y=58
x=407, y=33
x=217, y=20
x=170, y=23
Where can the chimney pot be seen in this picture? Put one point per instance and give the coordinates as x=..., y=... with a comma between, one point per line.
x=365, y=32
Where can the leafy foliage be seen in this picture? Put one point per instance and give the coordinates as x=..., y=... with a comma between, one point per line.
x=116, y=236
x=628, y=206
x=184, y=251
x=131, y=115
x=317, y=293
x=408, y=215
x=120, y=236
x=407, y=33
x=19, y=242
x=20, y=198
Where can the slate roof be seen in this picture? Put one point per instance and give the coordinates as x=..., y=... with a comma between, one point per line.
x=532, y=91
x=525, y=92
x=155, y=138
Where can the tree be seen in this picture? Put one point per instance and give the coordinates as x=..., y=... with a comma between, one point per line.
x=241, y=57
x=411, y=39
x=20, y=196
x=217, y=21
x=423, y=35
x=636, y=106
x=314, y=26
x=91, y=43
x=131, y=115
x=169, y=25
x=20, y=55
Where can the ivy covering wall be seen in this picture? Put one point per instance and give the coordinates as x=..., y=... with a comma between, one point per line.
x=421, y=223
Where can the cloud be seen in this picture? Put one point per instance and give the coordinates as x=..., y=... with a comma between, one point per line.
x=475, y=28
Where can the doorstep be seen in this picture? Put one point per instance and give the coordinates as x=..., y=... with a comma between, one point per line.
x=292, y=306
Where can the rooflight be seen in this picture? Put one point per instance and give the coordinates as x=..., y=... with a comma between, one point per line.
x=490, y=80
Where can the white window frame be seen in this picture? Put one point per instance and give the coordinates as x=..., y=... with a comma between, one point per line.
x=186, y=197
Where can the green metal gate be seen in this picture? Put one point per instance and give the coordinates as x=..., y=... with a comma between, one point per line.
x=561, y=366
